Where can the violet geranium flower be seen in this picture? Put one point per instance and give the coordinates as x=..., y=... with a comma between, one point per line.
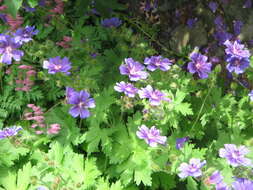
x=133, y=69
x=236, y=49
x=199, y=65
x=243, y=184
x=8, y=49
x=180, y=142
x=237, y=65
x=9, y=131
x=24, y=35
x=155, y=96
x=69, y=92
x=127, y=88
x=81, y=102
x=111, y=22
x=56, y=64
x=192, y=169
x=235, y=155
x=215, y=178
x=151, y=136
x=157, y=62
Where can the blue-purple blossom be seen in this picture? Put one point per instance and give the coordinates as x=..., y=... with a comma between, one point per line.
x=213, y=6
x=247, y=4
x=192, y=169
x=24, y=35
x=191, y=22
x=157, y=62
x=3, y=17
x=127, y=88
x=215, y=178
x=237, y=65
x=111, y=22
x=81, y=102
x=133, y=69
x=251, y=95
x=237, y=27
x=180, y=142
x=199, y=65
x=56, y=64
x=151, y=136
x=242, y=184
x=9, y=131
x=8, y=49
x=69, y=92
x=222, y=36
x=155, y=96
x=235, y=155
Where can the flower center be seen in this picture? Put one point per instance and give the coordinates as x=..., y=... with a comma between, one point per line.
x=58, y=67
x=81, y=105
x=198, y=65
x=8, y=49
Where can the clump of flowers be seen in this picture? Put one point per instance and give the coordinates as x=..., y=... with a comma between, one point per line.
x=24, y=78
x=9, y=131
x=237, y=56
x=192, y=169
x=133, y=69
x=24, y=35
x=157, y=62
x=81, y=101
x=221, y=34
x=151, y=136
x=9, y=49
x=37, y=117
x=56, y=64
x=65, y=43
x=155, y=96
x=14, y=23
x=54, y=129
x=199, y=65
x=111, y=22
x=235, y=155
x=127, y=88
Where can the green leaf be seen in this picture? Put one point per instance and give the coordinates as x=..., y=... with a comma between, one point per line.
x=13, y=6
x=33, y=3
x=91, y=172
x=191, y=184
x=24, y=177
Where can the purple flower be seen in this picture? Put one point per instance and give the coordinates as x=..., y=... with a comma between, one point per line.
x=222, y=186
x=9, y=131
x=69, y=92
x=56, y=64
x=8, y=49
x=81, y=102
x=251, y=95
x=127, y=88
x=222, y=36
x=236, y=49
x=191, y=22
x=199, y=65
x=24, y=35
x=3, y=17
x=180, y=142
x=192, y=169
x=247, y=4
x=235, y=155
x=215, y=178
x=157, y=62
x=237, y=65
x=243, y=184
x=151, y=136
x=133, y=69
x=155, y=96
x=213, y=6
x=111, y=22
x=237, y=27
